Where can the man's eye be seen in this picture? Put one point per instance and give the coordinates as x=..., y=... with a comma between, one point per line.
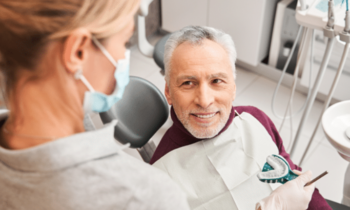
x=187, y=83
x=217, y=81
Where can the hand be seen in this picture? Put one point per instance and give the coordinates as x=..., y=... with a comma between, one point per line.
x=290, y=196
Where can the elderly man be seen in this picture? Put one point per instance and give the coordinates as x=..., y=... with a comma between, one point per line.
x=213, y=150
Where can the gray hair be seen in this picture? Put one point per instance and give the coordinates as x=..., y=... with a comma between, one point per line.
x=195, y=35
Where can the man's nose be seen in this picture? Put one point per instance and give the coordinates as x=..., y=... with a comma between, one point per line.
x=204, y=96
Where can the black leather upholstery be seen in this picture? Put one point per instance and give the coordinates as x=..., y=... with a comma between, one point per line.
x=337, y=206
x=140, y=113
x=158, y=54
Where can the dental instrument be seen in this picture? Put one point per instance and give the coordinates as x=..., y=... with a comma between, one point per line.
x=276, y=169
x=317, y=178
x=345, y=37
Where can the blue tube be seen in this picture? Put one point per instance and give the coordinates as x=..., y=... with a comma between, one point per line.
x=347, y=5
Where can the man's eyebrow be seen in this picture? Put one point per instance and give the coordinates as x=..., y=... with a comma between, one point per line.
x=218, y=75
x=186, y=77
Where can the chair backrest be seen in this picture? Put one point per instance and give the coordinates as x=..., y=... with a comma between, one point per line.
x=140, y=113
x=158, y=53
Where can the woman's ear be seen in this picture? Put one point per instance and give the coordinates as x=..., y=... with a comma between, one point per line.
x=76, y=49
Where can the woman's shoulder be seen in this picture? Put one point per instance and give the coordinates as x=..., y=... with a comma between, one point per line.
x=138, y=176
x=123, y=166
x=140, y=170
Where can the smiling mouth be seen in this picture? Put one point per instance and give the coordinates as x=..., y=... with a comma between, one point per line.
x=205, y=116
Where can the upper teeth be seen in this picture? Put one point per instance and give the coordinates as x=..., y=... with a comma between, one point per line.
x=206, y=116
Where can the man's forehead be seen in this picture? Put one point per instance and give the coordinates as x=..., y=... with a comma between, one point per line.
x=202, y=70
x=208, y=56
x=207, y=49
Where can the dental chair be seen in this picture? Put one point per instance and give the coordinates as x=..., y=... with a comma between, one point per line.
x=143, y=108
x=337, y=206
x=140, y=113
x=157, y=52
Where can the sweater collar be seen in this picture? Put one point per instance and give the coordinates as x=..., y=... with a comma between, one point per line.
x=62, y=153
x=180, y=134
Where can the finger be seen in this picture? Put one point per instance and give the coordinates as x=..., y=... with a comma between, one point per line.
x=297, y=172
x=304, y=178
x=308, y=174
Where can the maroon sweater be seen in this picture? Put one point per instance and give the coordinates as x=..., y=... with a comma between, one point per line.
x=177, y=136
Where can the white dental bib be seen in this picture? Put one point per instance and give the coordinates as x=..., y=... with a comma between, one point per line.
x=221, y=173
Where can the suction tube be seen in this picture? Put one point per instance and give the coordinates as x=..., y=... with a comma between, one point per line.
x=330, y=95
x=344, y=36
x=283, y=73
x=324, y=64
x=290, y=102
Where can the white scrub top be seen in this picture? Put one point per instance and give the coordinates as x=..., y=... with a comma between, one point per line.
x=221, y=173
x=83, y=171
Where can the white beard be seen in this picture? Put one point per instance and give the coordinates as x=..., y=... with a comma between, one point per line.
x=204, y=132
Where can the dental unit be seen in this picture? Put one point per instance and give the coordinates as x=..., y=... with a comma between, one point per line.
x=327, y=16
x=312, y=17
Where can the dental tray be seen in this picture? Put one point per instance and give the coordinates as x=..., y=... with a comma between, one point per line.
x=276, y=170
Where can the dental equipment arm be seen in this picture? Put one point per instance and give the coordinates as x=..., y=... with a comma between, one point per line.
x=290, y=196
x=145, y=47
x=330, y=34
x=331, y=14
x=345, y=37
x=347, y=22
x=303, y=5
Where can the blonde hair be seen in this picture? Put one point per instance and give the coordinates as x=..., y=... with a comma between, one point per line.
x=27, y=26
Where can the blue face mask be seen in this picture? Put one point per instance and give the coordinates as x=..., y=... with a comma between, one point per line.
x=99, y=102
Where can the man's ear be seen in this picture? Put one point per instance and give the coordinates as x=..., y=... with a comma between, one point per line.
x=167, y=94
x=75, y=49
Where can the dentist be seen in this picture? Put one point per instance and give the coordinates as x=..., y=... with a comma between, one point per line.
x=61, y=60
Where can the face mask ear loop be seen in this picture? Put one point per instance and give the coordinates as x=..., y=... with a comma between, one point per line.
x=104, y=51
x=127, y=54
x=79, y=75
